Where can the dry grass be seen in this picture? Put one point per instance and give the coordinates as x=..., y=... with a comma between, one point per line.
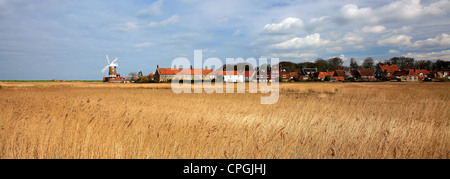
x=310, y=120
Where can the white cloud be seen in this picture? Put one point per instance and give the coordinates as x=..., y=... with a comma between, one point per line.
x=288, y=25
x=334, y=49
x=412, y=9
x=309, y=41
x=153, y=10
x=440, y=42
x=351, y=12
x=373, y=29
x=401, y=10
x=392, y=51
x=352, y=38
x=438, y=8
x=403, y=30
x=129, y=26
x=397, y=40
x=443, y=55
x=342, y=56
x=316, y=24
x=141, y=45
x=292, y=55
x=172, y=20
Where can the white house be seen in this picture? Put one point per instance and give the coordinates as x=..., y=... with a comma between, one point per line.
x=230, y=76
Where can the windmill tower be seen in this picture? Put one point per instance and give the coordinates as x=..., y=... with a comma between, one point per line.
x=113, y=76
x=112, y=68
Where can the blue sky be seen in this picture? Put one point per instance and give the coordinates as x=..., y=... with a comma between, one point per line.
x=61, y=39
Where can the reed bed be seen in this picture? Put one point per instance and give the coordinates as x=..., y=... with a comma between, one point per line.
x=310, y=120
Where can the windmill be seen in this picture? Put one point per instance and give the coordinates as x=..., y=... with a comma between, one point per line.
x=112, y=67
x=113, y=76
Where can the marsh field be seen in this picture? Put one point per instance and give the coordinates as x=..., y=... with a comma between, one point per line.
x=77, y=120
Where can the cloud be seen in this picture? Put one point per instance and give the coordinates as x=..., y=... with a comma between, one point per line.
x=334, y=49
x=153, y=10
x=172, y=20
x=316, y=24
x=412, y=10
x=125, y=27
x=373, y=29
x=440, y=42
x=401, y=10
x=442, y=55
x=287, y=26
x=392, y=51
x=131, y=26
x=141, y=45
x=438, y=8
x=397, y=40
x=310, y=41
x=291, y=55
x=351, y=12
x=351, y=38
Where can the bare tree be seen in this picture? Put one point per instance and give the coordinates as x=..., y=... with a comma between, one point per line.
x=132, y=75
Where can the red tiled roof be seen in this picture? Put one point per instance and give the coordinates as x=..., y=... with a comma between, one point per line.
x=249, y=73
x=331, y=73
x=389, y=68
x=366, y=72
x=293, y=74
x=407, y=72
x=425, y=72
x=170, y=71
x=413, y=71
x=167, y=71
x=322, y=75
x=226, y=73
x=340, y=73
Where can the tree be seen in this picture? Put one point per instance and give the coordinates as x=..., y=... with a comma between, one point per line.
x=132, y=75
x=440, y=64
x=368, y=63
x=291, y=66
x=423, y=65
x=402, y=62
x=321, y=64
x=353, y=64
x=335, y=63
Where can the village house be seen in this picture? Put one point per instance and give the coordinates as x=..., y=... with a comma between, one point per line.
x=320, y=75
x=368, y=75
x=285, y=74
x=265, y=74
x=249, y=76
x=406, y=75
x=169, y=74
x=338, y=75
x=295, y=76
x=385, y=70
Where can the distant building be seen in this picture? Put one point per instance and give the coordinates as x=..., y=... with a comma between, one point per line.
x=229, y=76
x=385, y=71
x=320, y=75
x=169, y=74
x=368, y=75
x=409, y=75
x=249, y=76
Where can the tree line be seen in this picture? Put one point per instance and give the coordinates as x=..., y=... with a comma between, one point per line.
x=336, y=63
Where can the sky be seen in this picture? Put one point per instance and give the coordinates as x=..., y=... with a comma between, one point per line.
x=69, y=39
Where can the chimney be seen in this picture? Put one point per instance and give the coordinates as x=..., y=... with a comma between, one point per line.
x=157, y=66
x=174, y=67
x=206, y=67
x=191, y=67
